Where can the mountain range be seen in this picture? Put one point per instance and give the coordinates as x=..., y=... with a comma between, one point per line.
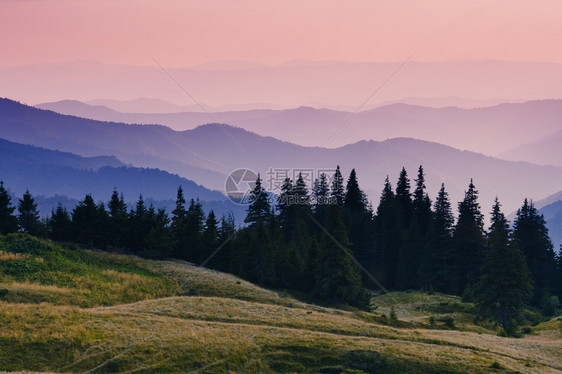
x=496, y=130
x=208, y=153
x=60, y=177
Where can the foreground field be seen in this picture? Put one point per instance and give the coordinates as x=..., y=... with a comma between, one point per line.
x=174, y=317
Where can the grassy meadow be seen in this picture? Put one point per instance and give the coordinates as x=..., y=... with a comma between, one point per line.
x=70, y=310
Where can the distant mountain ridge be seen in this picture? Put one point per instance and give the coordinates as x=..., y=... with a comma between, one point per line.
x=14, y=153
x=545, y=151
x=60, y=177
x=490, y=130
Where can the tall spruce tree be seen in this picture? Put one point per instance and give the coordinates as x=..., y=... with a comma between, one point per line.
x=101, y=226
x=388, y=237
x=422, y=203
x=469, y=242
x=118, y=220
x=284, y=202
x=222, y=260
x=420, y=229
x=337, y=192
x=294, y=220
x=404, y=199
x=338, y=279
x=358, y=217
x=83, y=217
x=437, y=266
x=320, y=191
x=531, y=235
x=28, y=217
x=259, y=208
x=178, y=225
x=407, y=250
x=195, y=224
x=261, y=258
x=60, y=225
x=210, y=237
x=158, y=241
x=504, y=284
x=355, y=199
x=139, y=223
x=321, y=198
x=8, y=220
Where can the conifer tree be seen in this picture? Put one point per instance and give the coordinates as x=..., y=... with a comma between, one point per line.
x=8, y=220
x=404, y=198
x=261, y=257
x=101, y=226
x=419, y=235
x=210, y=236
x=158, y=241
x=468, y=242
x=354, y=198
x=320, y=197
x=195, y=223
x=338, y=279
x=407, y=249
x=388, y=236
x=223, y=259
x=436, y=266
x=178, y=225
x=320, y=191
x=358, y=217
x=28, y=217
x=139, y=224
x=60, y=224
x=422, y=203
x=290, y=232
x=337, y=192
x=83, y=217
x=284, y=202
x=531, y=235
x=259, y=208
x=118, y=226
x=504, y=284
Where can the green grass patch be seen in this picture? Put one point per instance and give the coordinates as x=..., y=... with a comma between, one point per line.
x=34, y=271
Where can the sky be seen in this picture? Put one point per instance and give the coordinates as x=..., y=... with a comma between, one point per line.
x=183, y=33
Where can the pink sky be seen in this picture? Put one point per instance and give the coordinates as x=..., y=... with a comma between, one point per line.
x=186, y=33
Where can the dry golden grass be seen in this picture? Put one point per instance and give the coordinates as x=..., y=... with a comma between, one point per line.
x=9, y=256
x=228, y=325
x=127, y=338
x=205, y=282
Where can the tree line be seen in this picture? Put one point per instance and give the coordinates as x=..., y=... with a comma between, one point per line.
x=329, y=242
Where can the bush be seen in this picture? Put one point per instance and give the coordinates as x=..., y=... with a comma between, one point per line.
x=496, y=365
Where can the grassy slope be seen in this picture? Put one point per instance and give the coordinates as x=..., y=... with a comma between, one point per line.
x=226, y=324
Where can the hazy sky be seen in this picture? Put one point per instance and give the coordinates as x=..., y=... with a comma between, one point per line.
x=185, y=33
